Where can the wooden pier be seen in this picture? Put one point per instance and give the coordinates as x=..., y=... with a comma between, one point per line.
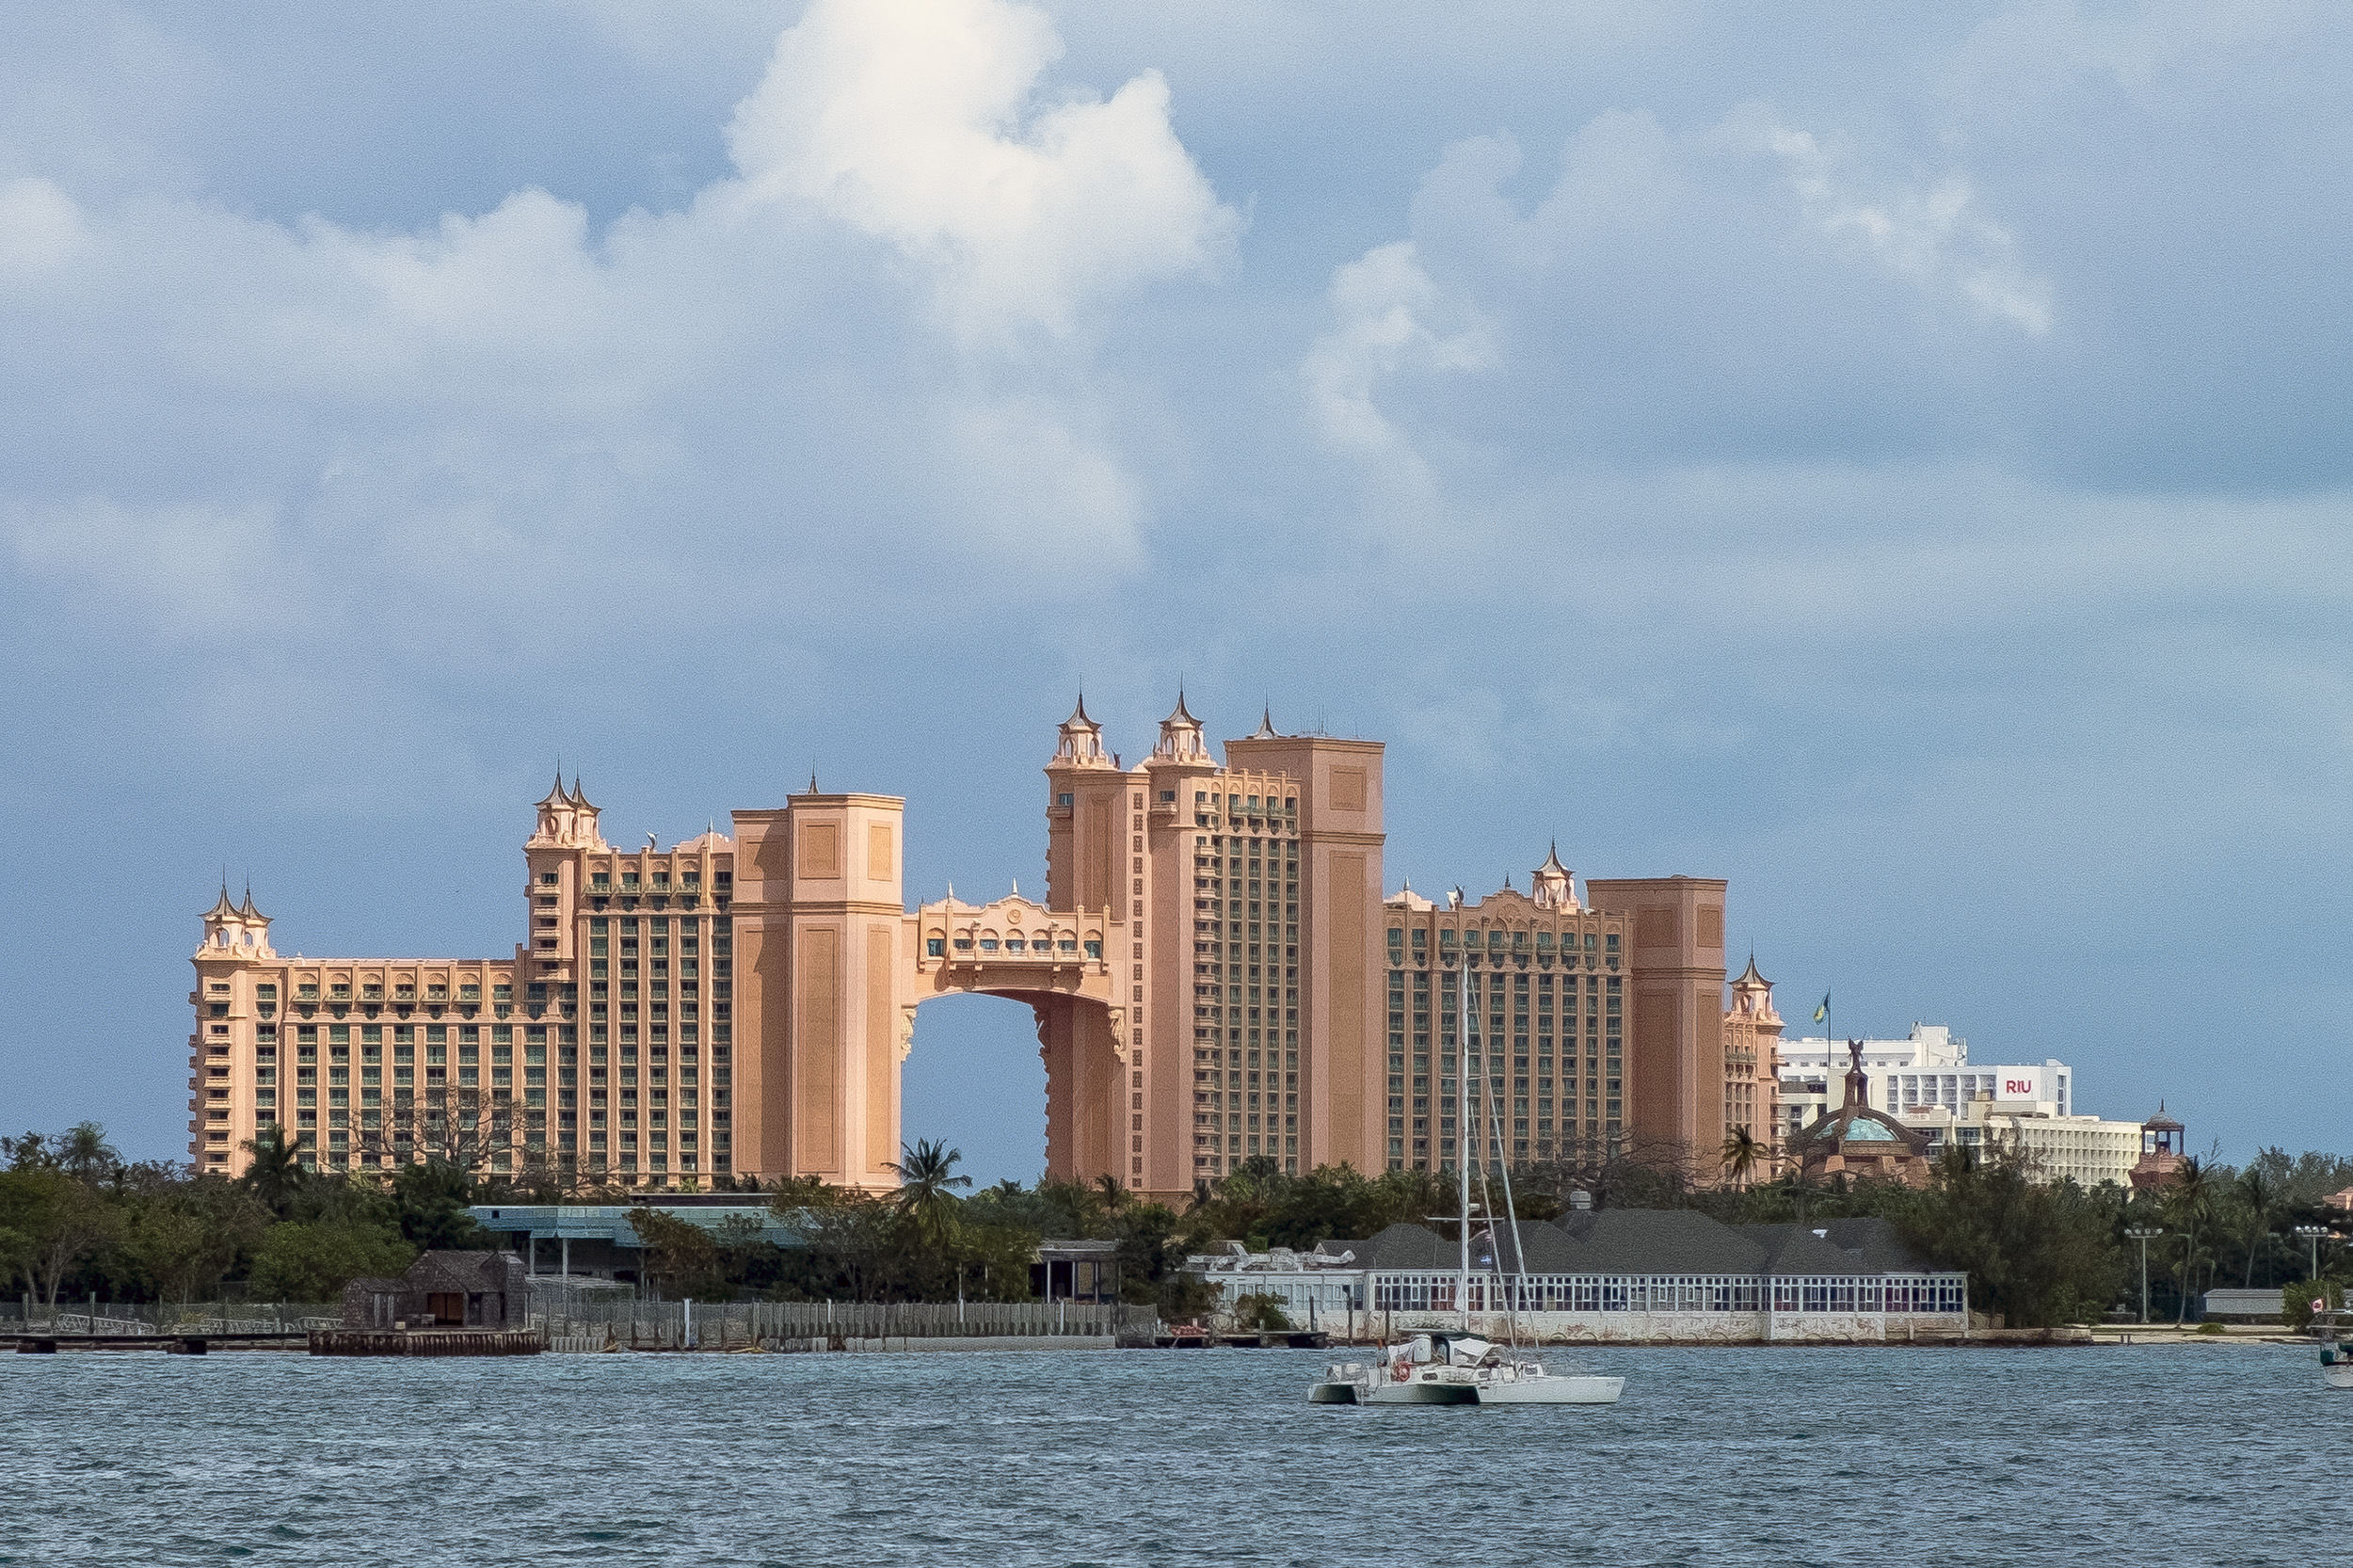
x=429, y=1342
x=176, y=1344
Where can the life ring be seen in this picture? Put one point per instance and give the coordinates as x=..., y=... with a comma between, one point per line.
x=1402, y=1371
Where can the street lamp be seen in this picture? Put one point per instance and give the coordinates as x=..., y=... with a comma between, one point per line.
x=2311, y=1234
x=2144, y=1235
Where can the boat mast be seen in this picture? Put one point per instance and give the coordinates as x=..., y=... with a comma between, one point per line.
x=1512, y=1212
x=1462, y=1110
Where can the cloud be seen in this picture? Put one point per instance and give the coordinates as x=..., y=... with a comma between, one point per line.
x=524, y=389
x=1932, y=236
x=41, y=228
x=916, y=122
x=1383, y=304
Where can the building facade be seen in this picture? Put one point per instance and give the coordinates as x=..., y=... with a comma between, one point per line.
x=1619, y=1275
x=2085, y=1150
x=1205, y=969
x=1930, y=1068
x=1590, y=1028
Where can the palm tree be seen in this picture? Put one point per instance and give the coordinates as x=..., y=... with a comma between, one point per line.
x=1741, y=1155
x=2190, y=1200
x=277, y=1172
x=1114, y=1196
x=84, y=1153
x=926, y=1199
x=2263, y=1203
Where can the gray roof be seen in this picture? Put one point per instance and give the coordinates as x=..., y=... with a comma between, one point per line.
x=1407, y=1246
x=1858, y=1246
x=1661, y=1242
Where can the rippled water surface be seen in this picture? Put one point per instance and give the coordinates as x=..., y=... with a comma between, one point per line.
x=1784, y=1456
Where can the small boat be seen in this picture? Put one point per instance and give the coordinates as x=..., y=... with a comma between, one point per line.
x=1465, y=1367
x=2336, y=1359
x=1422, y=1370
x=1506, y=1376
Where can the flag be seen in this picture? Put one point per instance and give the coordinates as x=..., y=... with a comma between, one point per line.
x=1822, y=1011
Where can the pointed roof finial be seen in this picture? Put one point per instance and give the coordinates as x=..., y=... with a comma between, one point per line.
x=1182, y=715
x=812, y=779
x=1078, y=716
x=1017, y=887
x=1266, y=725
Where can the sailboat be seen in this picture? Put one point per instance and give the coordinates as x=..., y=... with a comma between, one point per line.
x=1467, y=1367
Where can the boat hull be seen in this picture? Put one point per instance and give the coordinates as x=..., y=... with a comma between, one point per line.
x=1332, y=1393
x=1552, y=1390
x=1419, y=1392
x=2337, y=1374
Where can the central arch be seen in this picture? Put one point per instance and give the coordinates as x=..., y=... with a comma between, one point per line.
x=1054, y=961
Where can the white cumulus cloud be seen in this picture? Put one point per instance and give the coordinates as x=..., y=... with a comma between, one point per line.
x=919, y=122
x=1387, y=316
x=1933, y=237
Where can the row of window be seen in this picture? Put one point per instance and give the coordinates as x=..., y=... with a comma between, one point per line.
x=1898, y=1293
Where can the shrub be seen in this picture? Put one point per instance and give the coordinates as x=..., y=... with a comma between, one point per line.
x=2296, y=1302
x=314, y=1262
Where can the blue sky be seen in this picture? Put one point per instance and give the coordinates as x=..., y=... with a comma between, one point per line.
x=1896, y=463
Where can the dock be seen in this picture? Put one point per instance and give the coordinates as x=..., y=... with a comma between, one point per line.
x=429, y=1342
x=172, y=1344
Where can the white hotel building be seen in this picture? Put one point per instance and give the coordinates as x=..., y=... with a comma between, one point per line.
x=1927, y=1082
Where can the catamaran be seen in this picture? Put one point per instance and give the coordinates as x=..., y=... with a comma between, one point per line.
x=1467, y=1367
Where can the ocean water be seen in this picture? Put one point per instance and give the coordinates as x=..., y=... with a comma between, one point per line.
x=1789, y=1457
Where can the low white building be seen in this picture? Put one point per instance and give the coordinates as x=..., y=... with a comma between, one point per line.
x=1928, y=1069
x=1612, y=1277
x=2085, y=1149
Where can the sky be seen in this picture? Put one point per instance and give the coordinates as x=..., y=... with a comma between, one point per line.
x=1893, y=458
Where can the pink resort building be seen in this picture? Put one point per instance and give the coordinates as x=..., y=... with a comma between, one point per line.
x=1214, y=971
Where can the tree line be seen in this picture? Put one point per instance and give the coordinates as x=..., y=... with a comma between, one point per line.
x=77, y=1221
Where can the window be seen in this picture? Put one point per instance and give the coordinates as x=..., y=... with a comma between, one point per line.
x=1063, y=799
x=931, y=946
x=547, y=879
x=1095, y=948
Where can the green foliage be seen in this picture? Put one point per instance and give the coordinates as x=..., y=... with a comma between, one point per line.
x=927, y=1200
x=2037, y=1253
x=1256, y=1311
x=275, y=1175
x=60, y=1219
x=2297, y=1298
x=298, y=1262
x=2210, y=1326
x=183, y=1241
x=430, y=1202
x=677, y=1252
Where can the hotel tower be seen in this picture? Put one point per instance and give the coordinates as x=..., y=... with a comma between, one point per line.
x=1213, y=971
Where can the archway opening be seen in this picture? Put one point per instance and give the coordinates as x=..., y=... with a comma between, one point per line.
x=975, y=1082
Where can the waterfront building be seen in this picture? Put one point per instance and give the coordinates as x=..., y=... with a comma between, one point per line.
x=1612, y=1275
x=590, y=1242
x=1206, y=970
x=1929, y=1068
